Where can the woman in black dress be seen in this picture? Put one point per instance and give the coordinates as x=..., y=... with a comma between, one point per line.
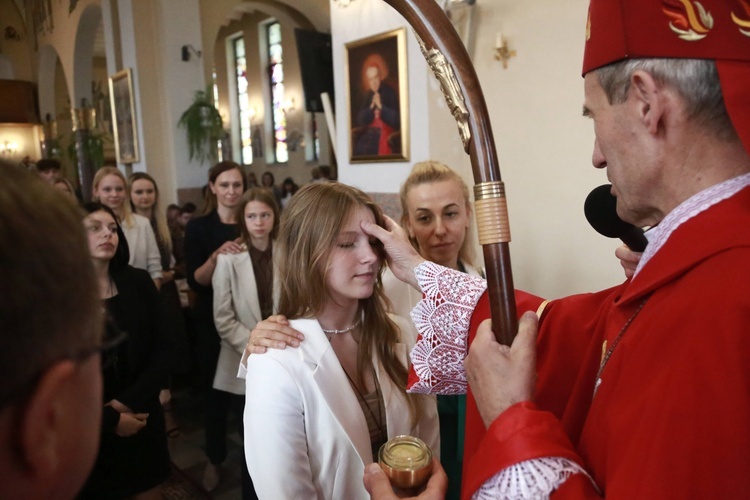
x=214, y=233
x=133, y=457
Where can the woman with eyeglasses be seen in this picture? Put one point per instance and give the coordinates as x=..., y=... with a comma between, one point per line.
x=133, y=457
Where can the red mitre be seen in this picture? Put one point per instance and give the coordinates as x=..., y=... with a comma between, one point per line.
x=705, y=29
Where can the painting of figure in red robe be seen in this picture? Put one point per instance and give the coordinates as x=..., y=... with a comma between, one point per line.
x=377, y=98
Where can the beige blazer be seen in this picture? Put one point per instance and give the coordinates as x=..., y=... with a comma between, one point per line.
x=236, y=312
x=305, y=432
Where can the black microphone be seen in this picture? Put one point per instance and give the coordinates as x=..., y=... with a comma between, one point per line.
x=601, y=212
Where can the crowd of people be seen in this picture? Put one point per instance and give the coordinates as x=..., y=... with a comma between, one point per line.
x=638, y=391
x=176, y=328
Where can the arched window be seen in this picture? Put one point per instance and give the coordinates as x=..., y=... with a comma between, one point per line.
x=243, y=104
x=276, y=75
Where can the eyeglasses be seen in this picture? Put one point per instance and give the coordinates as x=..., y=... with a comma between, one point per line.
x=111, y=338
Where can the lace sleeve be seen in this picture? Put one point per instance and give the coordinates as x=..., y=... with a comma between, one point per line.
x=531, y=479
x=442, y=319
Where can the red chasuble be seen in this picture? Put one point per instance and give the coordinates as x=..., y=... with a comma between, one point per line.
x=671, y=416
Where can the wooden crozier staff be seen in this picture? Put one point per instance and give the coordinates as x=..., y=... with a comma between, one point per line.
x=447, y=56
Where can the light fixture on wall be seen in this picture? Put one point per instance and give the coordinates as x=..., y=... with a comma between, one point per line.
x=502, y=52
x=288, y=105
x=187, y=49
x=8, y=148
x=343, y=3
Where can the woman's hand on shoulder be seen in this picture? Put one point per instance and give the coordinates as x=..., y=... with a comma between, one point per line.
x=273, y=332
x=230, y=247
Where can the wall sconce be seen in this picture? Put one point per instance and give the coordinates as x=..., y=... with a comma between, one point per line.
x=8, y=148
x=502, y=52
x=187, y=49
x=288, y=105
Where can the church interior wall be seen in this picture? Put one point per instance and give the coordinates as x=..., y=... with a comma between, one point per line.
x=544, y=145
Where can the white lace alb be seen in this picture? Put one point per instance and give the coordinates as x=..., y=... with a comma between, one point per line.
x=687, y=210
x=442, y=318
x=532, y=479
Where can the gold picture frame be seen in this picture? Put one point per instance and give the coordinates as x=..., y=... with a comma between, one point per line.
x=378, y=98
x=123, y=116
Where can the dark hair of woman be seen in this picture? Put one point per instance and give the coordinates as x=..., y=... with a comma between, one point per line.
x=122, y=254
x=213, y=174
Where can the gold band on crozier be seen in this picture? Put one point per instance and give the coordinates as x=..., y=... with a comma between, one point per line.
x=491, y=210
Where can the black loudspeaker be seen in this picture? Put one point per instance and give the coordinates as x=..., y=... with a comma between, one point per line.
x=316, y=66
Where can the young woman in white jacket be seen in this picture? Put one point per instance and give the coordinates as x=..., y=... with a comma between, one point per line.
x=314, y=416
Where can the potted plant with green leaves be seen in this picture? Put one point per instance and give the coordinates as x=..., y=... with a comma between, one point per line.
x=203, y=126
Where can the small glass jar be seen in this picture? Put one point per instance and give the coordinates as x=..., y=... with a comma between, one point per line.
x=406, y=460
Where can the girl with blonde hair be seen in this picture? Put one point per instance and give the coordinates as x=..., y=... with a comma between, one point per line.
x=324, y=409
x=144, y=200
x=110, y=189
x=436, y=213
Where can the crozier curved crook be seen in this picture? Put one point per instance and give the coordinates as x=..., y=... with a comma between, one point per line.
x=447, y=56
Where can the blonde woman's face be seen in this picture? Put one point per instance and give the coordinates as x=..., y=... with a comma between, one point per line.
x=438, y=220
x=353, y=264
x=143, y=194
x=111, y=192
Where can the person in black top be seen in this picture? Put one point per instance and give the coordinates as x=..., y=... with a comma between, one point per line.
x=133, y=456
x=207, y=236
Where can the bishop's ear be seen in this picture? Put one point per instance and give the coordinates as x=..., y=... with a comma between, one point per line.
x=649, y=97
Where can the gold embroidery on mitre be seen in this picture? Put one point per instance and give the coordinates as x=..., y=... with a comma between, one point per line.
x=743, y=25
x=588, y=27
x=688, y=19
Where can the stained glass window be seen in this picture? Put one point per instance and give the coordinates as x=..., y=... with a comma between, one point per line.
x=240, y=63
x=215, y=86
x=276, y=74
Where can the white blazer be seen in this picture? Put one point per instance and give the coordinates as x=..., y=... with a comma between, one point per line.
x=144, y=252
x=236, y=312
x=305, y=433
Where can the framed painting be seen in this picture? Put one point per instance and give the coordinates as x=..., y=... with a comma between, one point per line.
x=123, y=116
x=377, y=98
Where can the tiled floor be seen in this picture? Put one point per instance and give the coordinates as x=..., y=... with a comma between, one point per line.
x=187, y=450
